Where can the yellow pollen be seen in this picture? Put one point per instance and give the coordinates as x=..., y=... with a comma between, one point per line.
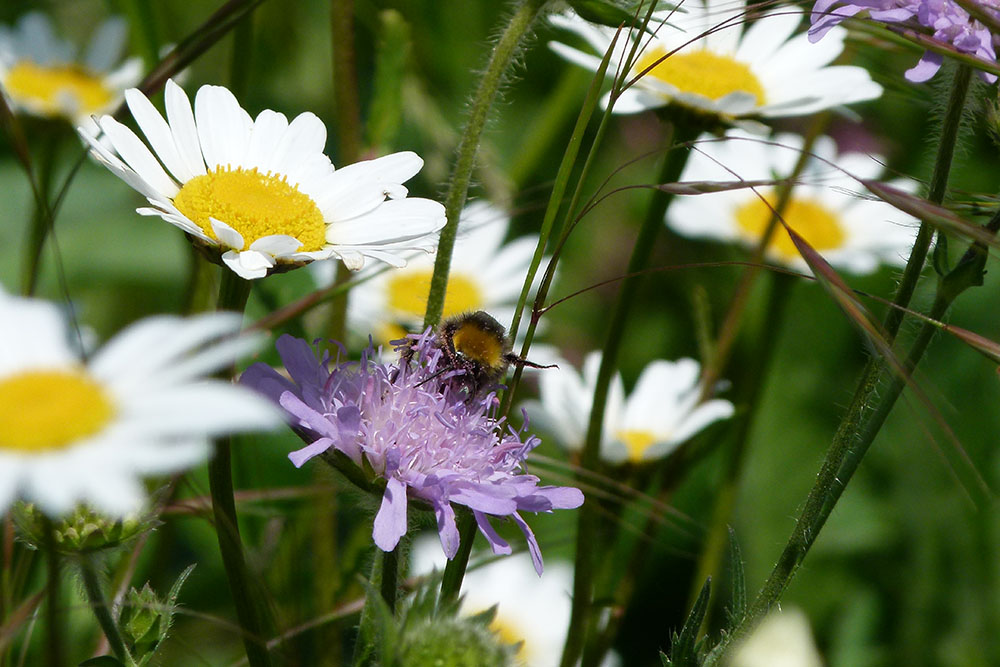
x=408, y=293
x=50, y=409
x=810, y=220
x=636, y=442
x=254, y=204
x=57, y=89
x=704, y=73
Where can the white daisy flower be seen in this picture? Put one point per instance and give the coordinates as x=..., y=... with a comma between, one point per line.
x=485, y=274
x=828, y=209
x=262, y=190
x=42, y=74
x=662, y=412
x=783, y=639
x=531, y=609
x=761, y=72
x=75, y=430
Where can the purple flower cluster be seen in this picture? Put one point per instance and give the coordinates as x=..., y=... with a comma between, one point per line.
x=947, y=22
x=428, y=439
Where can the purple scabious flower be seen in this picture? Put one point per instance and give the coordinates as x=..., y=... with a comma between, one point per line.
x=947, y=23
x=421, y=432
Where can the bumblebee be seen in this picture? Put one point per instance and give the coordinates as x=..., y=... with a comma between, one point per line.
x=478, y=344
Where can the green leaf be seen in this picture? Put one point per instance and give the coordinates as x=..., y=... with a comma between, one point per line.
x=684, y=646
x=602, y=12
x=102, y=661
x=737, y=579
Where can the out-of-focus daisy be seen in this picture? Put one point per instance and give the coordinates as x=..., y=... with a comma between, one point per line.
x=761, y=72
x=75, y=430
x=850, y=230
x=662, y=412
x=42, y=74
x=531, y=611
x=413, y=426
x=944, y=20
x=485, y=274
x=783, y=639
x=261, y=190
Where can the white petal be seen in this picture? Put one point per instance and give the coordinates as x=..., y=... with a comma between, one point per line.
x=182, y=124
x=394, y=220
x=223, y=127
x=228, y=237
x=138, y=158
x=248, y=264
x=158, y=134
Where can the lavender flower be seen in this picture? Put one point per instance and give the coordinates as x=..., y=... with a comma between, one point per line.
x=947, y=22
x=419, y=431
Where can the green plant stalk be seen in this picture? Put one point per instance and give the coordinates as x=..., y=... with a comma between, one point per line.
x=765, y=344
x=345, y=81
x=233, y=294
x=588, y=519
x=102, y=610
x=500, y=60
x=364, y=647
x=42, y=216
x=241, y=57
x=862, y=422
x=55, y=632
x=454, y=569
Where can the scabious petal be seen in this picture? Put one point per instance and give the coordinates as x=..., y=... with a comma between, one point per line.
x=421, y=431
x=390, y=522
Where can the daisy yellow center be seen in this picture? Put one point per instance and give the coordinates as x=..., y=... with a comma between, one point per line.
x=50, y=409
x=810, y=219
x=254, y=204
x=704, y=73
x=408, y=291
x=509, y=633
x=54, y=88
x=636, y=442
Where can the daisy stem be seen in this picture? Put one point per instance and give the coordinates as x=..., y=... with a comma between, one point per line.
x=589, y=518
x=250, y=613
x=41, y=218
x=503, y=55
x=102, y=610
x=874, y=397
x=56, y=633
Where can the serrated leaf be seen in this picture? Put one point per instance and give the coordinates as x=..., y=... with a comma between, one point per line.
x=684, y=647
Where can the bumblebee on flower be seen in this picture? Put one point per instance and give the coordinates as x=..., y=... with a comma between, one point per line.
x=428, y=439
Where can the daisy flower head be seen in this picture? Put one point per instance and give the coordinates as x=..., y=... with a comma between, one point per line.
x=420, y=433
x=261, y=191
x=944, y=20
x=828, y=208
x=662, y=412
x=43, y=75
x=76, y=430
x=713, y=66
x=532, y=612
x=486, y=274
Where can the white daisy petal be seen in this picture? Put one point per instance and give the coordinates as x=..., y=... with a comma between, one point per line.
x=161, y=425
x=259, y=167
x=106, y=44
x=157, y=133
x=181, y=119
x=739, y=73
x=135, y=154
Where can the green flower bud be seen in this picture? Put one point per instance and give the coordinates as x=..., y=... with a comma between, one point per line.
x=82, y=532
x=453, y=642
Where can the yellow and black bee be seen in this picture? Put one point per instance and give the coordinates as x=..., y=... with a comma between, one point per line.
x=478, y=344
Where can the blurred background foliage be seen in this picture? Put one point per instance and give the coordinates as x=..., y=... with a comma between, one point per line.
x=906, y=571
